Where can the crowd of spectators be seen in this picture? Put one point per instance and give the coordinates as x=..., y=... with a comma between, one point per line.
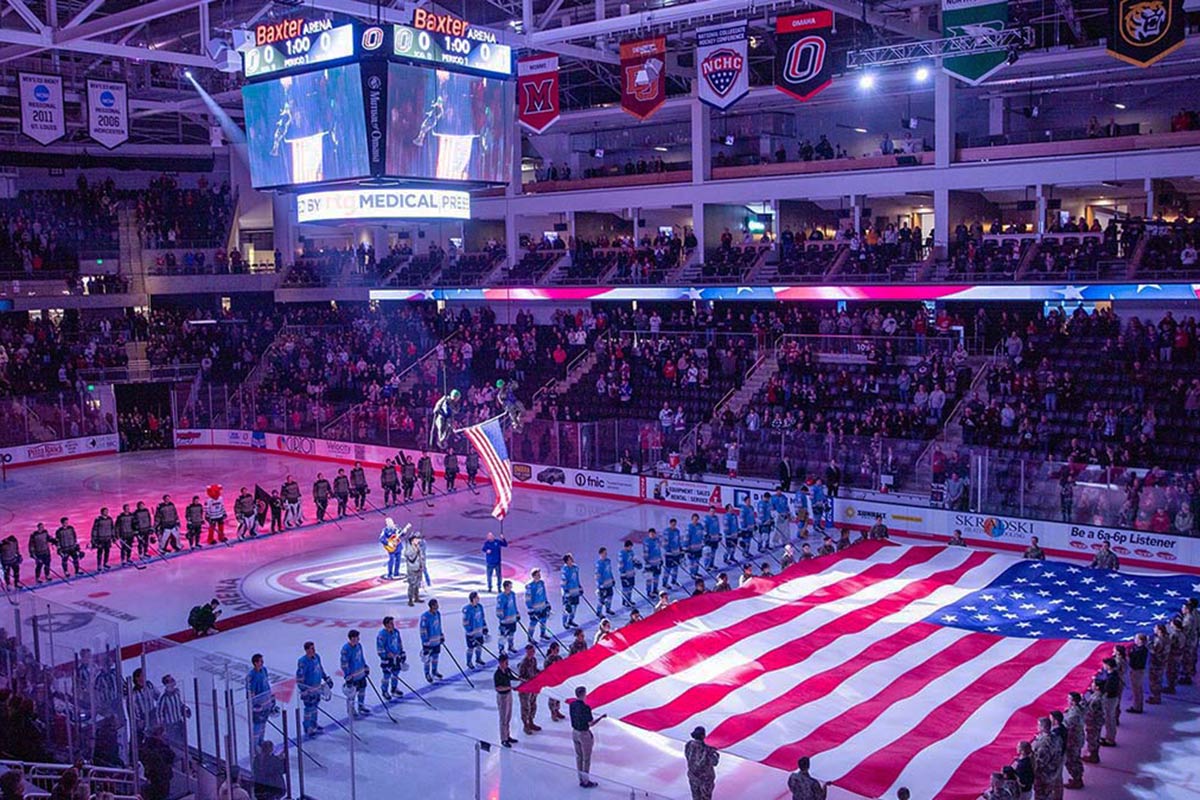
x=1171, y=248
x=44, y=231
x=172, y=217
x=1109, y=406
x=1185, y=120
x=44, y=355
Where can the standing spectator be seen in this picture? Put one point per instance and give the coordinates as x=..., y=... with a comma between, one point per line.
x=701, y=765
x=503, y=682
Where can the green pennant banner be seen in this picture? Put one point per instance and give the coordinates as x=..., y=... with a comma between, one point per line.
x=967, y=17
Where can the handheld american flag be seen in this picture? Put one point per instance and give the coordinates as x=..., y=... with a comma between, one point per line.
x=890, y=666
x=488, y=440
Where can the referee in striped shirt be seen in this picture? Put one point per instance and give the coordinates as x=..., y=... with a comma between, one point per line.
x=173, y=712
x=145, y=704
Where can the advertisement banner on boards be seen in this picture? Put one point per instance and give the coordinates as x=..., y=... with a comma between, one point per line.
x=722, y=64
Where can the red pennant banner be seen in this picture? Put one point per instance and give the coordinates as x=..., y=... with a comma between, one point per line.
x=537, y=92
x=643, y=76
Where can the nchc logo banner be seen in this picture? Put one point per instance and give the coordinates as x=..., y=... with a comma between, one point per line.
x=349, y=204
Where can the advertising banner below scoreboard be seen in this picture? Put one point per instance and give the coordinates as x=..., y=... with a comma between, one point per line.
x=352, y=204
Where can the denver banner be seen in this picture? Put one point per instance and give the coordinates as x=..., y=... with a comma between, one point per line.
x=963, y=17
x=1143, y=31
x=537, y=92
x=643, y=76
x=722, y=64
x=803, y=62
x=42, y=107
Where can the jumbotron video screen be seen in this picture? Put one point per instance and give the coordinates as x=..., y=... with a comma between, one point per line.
x=306, y=128
x=448, y=126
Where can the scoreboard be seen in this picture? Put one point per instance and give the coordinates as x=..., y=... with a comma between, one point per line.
x=450, y=42
x=296, y=44
x=440, y=41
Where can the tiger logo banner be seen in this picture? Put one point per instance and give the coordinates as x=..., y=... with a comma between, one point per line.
x=1144, y=31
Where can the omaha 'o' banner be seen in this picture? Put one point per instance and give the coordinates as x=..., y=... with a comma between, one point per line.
x=803, y=62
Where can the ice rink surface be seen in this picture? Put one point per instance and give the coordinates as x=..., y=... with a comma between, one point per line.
x=318, y=582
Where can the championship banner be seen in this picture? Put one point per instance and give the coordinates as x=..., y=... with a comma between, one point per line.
x=42, y=107
x=803, y=62
x=537, y=92
x=1143, y=31
x=643, y=76
x=722, y=64
x=108, y=112
x=964, y=18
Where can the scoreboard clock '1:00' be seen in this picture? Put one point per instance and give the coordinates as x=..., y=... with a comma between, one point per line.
x=453, y=51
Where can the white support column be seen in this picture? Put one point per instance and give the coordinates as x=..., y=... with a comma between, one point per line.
x=1042, y=191
x=997, y=116
x=635, y=217
x=698, y=227
x=511, y=237
x=570, y=226
x=284, y=228
x=943, y=122
x=701, y=139
x=1149, y=187
x=514, y=187
x=941, y=221
x=856, y=207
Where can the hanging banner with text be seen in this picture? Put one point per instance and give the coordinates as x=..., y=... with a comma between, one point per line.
x=722, y=64
x=108, y=112
x=967, y=17
x=42, y=107
x=643, y=76
x=803, y=56
x=537, y=92
x=1143, y=31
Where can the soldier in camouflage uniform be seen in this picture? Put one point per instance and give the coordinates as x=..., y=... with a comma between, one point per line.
x=1058, y=730
x=1073, y=719
x=1175, y=637
x=1093, y=720
x=1047, y=761
x=1000, y=789
x=1160, y=646
x=1191, y=631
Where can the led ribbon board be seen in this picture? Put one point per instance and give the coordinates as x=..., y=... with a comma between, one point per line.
x=362, y=204
x=445, y=40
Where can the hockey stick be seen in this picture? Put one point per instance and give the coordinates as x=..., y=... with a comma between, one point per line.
x=8, y=596
x=338, y=722
x=90, y=574
x=377, y=694
x=411, y=690
x=583, y=597
x=530, y=635
x=376, y=508
x=62, y=577
x=293, y=741
x=450, y=653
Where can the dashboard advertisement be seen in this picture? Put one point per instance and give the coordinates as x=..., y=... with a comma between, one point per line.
x=448, y=126
x=306, y=128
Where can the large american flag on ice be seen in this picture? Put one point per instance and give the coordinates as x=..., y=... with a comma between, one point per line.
x=889, y=665
x=488, y=440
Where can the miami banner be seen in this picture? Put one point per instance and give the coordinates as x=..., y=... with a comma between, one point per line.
x=722, y=64
x=803, y=59
x=966, y=17
x=537, y=92
x=643, y=76
x=1143, y=31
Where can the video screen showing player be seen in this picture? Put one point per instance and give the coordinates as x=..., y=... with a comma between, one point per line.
x=306, y=128
x=448, y=126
